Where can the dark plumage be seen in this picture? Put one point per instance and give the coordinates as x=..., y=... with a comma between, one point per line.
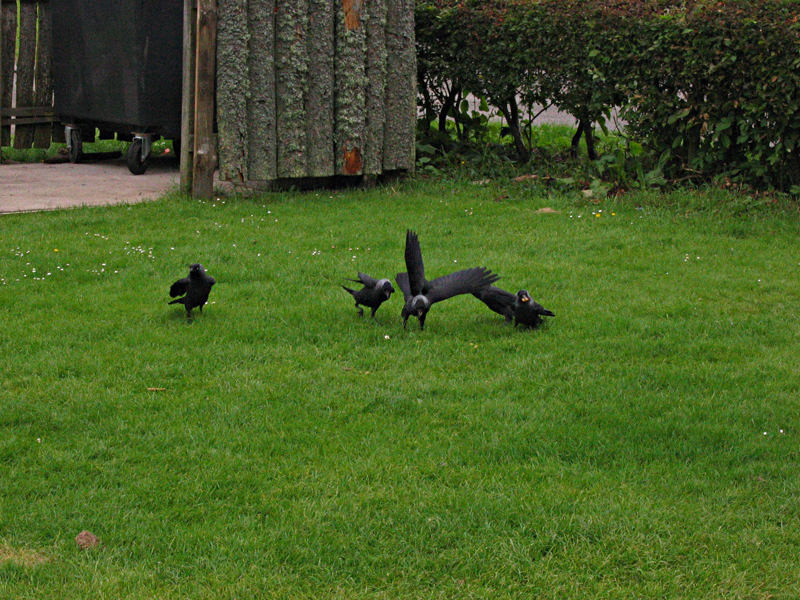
x=374, y=293
x=500, y=301
x=196, y=288
x=420, y=294
x=527, y=312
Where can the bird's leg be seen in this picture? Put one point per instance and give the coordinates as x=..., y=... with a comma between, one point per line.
x=374, y=310
x=422, y=321
x=405, y=320
x=360, y=310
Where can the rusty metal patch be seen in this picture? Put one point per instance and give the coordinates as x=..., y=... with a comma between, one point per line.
x=352, y=13
x=353, y=163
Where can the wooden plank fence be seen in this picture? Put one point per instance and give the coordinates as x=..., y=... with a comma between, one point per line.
x=26, y=80
x=298, y=88
x=314, y=88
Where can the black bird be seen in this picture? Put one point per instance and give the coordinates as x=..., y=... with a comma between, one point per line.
x=374, y=293
x=500, y=301
x=196, y=288
x=527, y=312
x=420, y=294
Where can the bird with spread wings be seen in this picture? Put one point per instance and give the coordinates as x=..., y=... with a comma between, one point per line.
x=420, y=293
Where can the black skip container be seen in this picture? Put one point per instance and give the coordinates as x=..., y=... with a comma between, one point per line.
x=117, y=67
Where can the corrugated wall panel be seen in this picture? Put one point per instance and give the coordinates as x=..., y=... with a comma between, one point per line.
x=314, y=88
x=263, y=155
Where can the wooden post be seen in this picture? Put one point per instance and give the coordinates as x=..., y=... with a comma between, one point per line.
x=187, y=101
x=43, y=95
x=2, y=129
x=8, y=42
x=205, y=160
x=23, y=134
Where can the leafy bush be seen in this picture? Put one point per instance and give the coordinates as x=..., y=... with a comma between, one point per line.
x=716, y=90
x=710, y=89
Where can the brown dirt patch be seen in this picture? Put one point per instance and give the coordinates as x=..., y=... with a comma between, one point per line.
x=21, y=556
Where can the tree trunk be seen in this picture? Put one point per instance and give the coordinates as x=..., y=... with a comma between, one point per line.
x=588, y=132
x=585, y=129
x=427, y=104
x=510, y=111
x=447, y=107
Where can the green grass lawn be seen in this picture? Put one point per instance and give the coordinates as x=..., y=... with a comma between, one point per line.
x=643, y=444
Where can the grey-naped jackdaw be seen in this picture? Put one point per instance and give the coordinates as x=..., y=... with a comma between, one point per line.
x=374, y=293
x=528, y=312
x=420, y=294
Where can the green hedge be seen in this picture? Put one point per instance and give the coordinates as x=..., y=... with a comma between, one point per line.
x=711, y=89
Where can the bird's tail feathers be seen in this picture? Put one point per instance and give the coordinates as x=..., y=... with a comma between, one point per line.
x=352, y=292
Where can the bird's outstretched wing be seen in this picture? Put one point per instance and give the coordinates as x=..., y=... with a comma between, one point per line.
x=179, y=288
x=466, y=281
x=365, y=280
x=414, y=265
x=402, y=283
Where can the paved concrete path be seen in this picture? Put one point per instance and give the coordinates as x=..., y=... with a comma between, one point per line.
x=37, y=186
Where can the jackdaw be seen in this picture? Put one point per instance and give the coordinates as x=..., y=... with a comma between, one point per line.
x=500, y=301
x=196, y=288
x=527, y=312
x=420, y=294
x=374, y=293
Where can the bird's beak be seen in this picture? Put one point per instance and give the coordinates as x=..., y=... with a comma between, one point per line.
x=419, y=312
x=525, y=298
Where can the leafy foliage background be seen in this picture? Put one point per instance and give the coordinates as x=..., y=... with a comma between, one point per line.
x=710, y=89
